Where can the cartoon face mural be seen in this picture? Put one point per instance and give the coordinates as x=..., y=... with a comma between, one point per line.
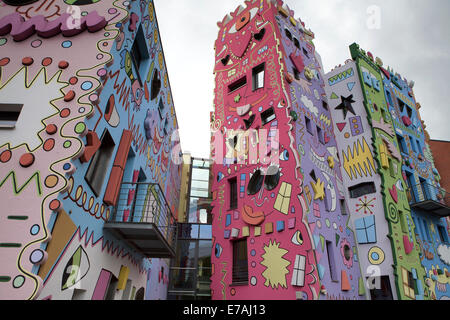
x=260, y=198
x=93, y=100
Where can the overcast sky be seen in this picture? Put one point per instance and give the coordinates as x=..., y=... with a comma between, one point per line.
x=413, y=37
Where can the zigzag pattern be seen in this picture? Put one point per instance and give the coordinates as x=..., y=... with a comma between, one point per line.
x=325, y=119
x=359, y=160
x=341, y=77
x=18, y=189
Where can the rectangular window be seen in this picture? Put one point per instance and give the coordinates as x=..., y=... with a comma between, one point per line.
x=298, y=275
x=401, y=105
x=233, y=193
x=297, y=43
x=242, y=82
x=268, y=116
x=409, y=111
x=296, y=73
x=362, y=189
x=382, y=292
x=258, y=76
x=320, y=135
x=402, y=144
x=443, y=235
x=98, y=168
x=308, y=125
x=139, y=53
x=413, y=144
x=391, y=168
x=389, y=97
x=161, y=108
x=343, y=207
x=427, y=229
x=9, y=115
x=331, y=261
x=240, y=262
x=305, y=52
x=409, y=284
x=403, y=221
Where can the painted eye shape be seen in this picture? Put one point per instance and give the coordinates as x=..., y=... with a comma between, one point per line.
x=297, y=238
x=272, y=178
x=243, y=20
x=76, y=268
x=218, y=250
x=284, y=156
x=255, y=183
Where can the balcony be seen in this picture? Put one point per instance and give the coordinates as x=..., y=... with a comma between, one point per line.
x=430, y=199
x=144, y=220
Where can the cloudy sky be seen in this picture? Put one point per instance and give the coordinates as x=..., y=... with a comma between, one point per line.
x=413, y=36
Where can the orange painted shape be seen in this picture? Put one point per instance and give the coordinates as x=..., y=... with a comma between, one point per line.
x=63, y=64
x=27, y=61
x=69, y=96
x=92, y=146
x=243, y=20
x=252, y=218
x=51, y=129
x=345, y=283
x=26, y=160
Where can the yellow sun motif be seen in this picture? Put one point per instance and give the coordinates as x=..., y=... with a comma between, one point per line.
x=276, y=265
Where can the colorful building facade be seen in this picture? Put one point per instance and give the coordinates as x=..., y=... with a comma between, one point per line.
x=427, y=200
x=380, y=173
x=87, y=123
x=280, y=227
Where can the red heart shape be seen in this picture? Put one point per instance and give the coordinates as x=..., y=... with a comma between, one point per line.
x=240, y=43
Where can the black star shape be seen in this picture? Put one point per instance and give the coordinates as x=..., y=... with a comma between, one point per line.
x=346, y=105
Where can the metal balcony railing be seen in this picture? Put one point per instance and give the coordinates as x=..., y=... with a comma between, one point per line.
x=429, y=198
x=143, y=204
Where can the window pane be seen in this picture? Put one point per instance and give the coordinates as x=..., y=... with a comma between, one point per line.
x=185, y=257
x=205, y=231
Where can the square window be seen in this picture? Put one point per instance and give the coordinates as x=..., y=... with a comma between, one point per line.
x=9, y=115
x=365, y=230
x=258, y=76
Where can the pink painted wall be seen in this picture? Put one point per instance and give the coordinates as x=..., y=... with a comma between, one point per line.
x=271, y=256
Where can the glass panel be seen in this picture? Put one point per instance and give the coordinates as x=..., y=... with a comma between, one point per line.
x=205, y=232
x=200, y=174
x=185, y=257
x=183, y=279
x=200, y=163
x=204, y=253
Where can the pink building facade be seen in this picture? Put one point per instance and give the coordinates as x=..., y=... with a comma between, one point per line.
x=280, y=222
